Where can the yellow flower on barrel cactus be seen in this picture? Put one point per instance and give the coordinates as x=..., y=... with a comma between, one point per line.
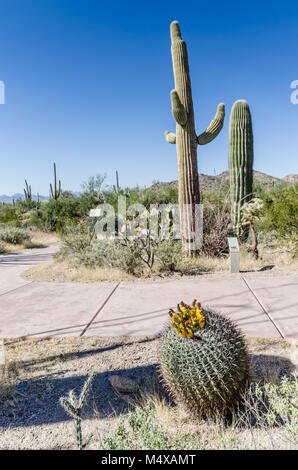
x=187, y=319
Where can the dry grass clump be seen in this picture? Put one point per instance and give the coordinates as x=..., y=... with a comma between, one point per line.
x=38, y=239
x=44, y=238
x=65, y=271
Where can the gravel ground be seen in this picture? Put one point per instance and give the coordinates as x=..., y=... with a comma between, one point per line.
x=38, y=372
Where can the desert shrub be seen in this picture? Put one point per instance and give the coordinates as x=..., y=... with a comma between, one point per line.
x=115, y=254
x=2, y=248
x=283, y=404
x=169, y=254
x=8, y=213
x=57, y=214
x=118, y=439
x=281, y=208
x=142, y=432
x=13, y=235
x=91, y=194
x=159, y=194
x=76, y=239
x=100, y=253
x=215, y=230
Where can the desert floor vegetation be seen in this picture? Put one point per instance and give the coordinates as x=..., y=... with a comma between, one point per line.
x=270, y=263
x=38, y=372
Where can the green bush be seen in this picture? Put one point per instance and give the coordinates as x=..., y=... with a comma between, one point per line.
x=169, y=254
x=76, y=239
x=283, y=404
x=57, y=214
x=144, y=433
x=8, y=213
x=112, y=253
x=13, y=235
x=281, y=208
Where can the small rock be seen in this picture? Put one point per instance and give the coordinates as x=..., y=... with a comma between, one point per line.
x=123, y=384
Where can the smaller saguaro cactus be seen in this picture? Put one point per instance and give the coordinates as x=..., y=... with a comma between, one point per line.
x=55, y=194
x=28, y=193
x=241, y=156
x=74, y=407
x=117, y=187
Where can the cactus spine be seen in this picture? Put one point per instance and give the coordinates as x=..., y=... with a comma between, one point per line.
x=241, y=156
x=55, y=194
x=186, y=139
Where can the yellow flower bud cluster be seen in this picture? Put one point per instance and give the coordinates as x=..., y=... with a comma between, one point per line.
x=187, y=319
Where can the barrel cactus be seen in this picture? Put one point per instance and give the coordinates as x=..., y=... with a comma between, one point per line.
x=203, y=359
x=187, y=140
x=241, y=155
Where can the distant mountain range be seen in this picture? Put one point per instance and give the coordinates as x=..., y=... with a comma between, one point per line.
x=217, y=182
x=14, y=197
x=207, y=183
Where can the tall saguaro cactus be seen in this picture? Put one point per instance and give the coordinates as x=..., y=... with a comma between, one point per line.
x=28, y=193
x=241, y=156
x=186, y=139
x=55, y=194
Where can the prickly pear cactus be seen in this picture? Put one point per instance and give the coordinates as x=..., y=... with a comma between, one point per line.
x=241, y=155
x=203, y=359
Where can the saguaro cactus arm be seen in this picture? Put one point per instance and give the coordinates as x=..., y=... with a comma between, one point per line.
x=178, y=109
x=214, y=127
x=170, y=137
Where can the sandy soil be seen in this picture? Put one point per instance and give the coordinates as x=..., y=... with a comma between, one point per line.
x=38, y=372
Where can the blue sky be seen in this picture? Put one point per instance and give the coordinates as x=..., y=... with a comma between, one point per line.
x=88, y=83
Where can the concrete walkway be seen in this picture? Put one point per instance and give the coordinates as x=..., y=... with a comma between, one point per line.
x=261, y=306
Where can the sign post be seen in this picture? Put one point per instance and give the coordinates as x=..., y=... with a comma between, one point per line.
x=234, y=254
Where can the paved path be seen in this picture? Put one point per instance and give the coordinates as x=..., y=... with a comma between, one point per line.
x=262, y=307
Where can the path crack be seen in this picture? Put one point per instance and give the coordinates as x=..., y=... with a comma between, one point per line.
x=16, y=288
x=99, y=310
x=263, y=308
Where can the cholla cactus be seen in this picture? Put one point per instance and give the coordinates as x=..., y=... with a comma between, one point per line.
x=252, y=212
x=74, y=407
x=187, y=319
